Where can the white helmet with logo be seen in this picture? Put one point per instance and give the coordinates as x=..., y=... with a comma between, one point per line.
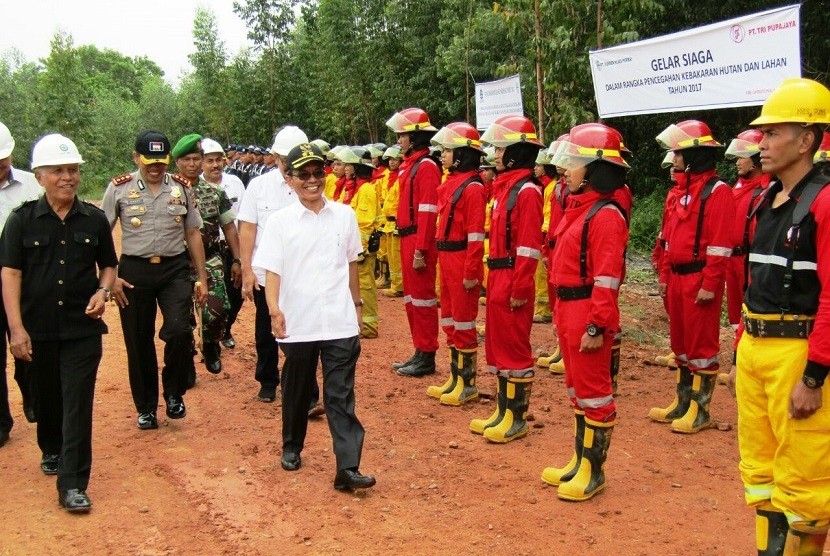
x=54, y=150
x=210, y=146
x=6, y=141
x=287, y=138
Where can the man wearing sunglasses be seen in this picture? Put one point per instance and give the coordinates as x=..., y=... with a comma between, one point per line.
x=313, y=294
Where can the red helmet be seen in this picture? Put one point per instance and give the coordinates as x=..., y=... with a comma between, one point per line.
x=511, y=130
x=587, y=143
x=686, y=135
x=745, y=145
x=457, y=134
x=823, y=152
x=409, y=120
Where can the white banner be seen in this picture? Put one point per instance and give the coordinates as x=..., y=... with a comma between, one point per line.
x=738, y=62
x=495, y=99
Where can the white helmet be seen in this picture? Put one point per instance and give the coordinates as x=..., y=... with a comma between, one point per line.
x=53, y=150
x=209, y=146
x=6, y=141
x=287, y=138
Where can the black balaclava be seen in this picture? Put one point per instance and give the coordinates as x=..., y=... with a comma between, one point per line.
x=700, y=159
x=604, y=177
x=465, y=159
x=520, y=155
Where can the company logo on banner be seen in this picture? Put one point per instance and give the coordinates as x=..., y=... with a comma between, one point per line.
x=738, y=62
x=495, y=99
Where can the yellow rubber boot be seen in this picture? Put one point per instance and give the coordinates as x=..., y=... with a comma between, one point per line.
x=666, y=360
x=513, y=425
x=438, y=391
x=804, y=544
x=478, y=426
x=770, y=531
x=680, y=405
x=697, y=417
x=545, y=361
x=558, y=367
x=557, y=475
x=465, y=389
x=590, y=476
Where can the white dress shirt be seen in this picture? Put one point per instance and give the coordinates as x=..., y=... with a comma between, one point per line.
x=265, y=195
x=311, y=253
x=20, y=187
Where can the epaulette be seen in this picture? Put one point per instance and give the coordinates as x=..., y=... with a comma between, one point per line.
x=180, y=179
x=92, y=205
x=24, y=204
x=122, y=179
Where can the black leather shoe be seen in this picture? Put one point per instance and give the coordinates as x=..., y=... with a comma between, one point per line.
x=212, y=353
x=316, y=410
x=401, y=364
x=147, y=421
x=175, y=407
x=4, y=437
x=349, y=479
x=228, y=341
x=422, y=365
x=291, y=461
x=75, y=501
x=49, y=464
x=267, y=394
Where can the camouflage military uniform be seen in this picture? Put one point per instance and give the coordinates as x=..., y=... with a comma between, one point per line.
x=216, y=211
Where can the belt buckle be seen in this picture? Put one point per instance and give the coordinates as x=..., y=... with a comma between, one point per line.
x=155, y=259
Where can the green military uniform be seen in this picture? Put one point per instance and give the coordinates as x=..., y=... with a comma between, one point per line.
x=216, y=211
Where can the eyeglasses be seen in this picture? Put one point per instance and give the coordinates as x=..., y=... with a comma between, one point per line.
x=305, y=176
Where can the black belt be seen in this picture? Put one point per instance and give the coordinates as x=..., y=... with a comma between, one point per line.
x=760, y=328
x=688, y=268
x=451, y=245
x=391, y=219
x=408, y=231
x=156, y=259
x=739, y=251
x=575, y=292
x=503, y=262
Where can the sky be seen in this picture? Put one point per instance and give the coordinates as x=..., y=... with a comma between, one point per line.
x=161, y=30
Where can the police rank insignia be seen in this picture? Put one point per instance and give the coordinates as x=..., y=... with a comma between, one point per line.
x=133, y=194
x=176, y=192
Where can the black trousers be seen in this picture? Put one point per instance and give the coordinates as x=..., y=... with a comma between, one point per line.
x=234, y=294
x=338, y=358
x=21, y=376
x=64, y=373
x=168, y=285
x=267, y=352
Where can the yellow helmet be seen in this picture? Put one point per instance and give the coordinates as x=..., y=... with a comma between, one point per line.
x=796, y=100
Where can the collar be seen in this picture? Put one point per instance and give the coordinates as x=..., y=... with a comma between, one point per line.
x=42, y=208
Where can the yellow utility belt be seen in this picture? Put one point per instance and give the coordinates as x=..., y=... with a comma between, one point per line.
x=777, y=326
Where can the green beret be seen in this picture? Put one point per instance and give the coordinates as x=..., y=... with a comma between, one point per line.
x=187, y=145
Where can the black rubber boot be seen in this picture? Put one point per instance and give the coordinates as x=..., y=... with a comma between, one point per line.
x=590, y=477
x=399, y=365
x=555, y=476
x=422, y=365
x=682, y=398
x=697, y=417
x=771, y=528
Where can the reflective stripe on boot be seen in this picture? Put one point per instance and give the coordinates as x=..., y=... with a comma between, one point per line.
x=465, y=388
x=770, y=531
x=682, y=397
x=697, y=417
x=804, y=544
x=513, y=425
x=557, y=475
x=590, y=477
x=437, y=391
x=478, y=426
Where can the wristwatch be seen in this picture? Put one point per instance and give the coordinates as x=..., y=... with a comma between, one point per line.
x=237, y=261
x=811, y=383
x=593, y=330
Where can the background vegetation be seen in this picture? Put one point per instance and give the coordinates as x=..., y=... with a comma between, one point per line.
x=340, y=68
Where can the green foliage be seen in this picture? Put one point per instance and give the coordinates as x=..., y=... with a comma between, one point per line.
x=646, y=216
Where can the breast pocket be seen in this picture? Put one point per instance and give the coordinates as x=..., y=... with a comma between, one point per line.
x=37, y=249
x=85, y=246
x=176, y=210
x=262, y=214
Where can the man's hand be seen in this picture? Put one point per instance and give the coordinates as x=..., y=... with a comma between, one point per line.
x=200, y=292
x=590, y=343
x=249, y=283
x=118, y=292
x=419, y=261
x=804, y=401
x=236, y=275
x=661, y=289
x=704, y=297
x=278, y=325
x=730, y=379
x=516, y=303
x=20, y=344
x=95, y=307
x=469, y=284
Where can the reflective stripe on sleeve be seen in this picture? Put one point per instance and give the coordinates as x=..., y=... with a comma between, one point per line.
x=607, y=282
x=528, y=252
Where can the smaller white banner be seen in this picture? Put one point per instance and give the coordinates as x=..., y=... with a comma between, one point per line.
x=495, y=99
x=737, y=62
